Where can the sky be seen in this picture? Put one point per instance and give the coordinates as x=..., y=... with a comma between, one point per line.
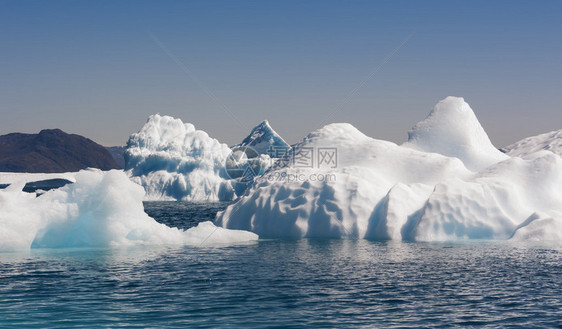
x=100, y=68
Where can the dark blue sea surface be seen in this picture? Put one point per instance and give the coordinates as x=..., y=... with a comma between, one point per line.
x=282, y=283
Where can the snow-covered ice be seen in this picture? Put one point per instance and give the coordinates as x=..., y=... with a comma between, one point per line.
x=367, y=170
x=494, y=202
x=448, y=182
x=539, y=227
x=551, y=141
x=452, y=129
x=99, y=209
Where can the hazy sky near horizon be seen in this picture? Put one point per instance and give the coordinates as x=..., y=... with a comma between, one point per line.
x=100, y=68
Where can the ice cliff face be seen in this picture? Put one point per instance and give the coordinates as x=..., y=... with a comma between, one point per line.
x=448, y=182
x=551, y=141
x=172, y=160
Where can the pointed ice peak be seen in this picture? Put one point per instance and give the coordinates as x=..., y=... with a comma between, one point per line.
x=263, y=128
x=263, y=139
x=264, y=124
x=452, y=129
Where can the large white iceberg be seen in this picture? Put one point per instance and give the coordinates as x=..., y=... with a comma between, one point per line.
x=100, y=209
x=551, y=141
x=174, y=161
x=448, y=182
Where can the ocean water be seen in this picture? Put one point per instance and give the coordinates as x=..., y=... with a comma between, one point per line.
x=282, y=284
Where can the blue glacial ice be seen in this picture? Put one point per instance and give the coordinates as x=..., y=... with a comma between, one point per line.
x=174, y=161
x=101, y=209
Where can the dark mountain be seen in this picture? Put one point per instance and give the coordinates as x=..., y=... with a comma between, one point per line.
x=52, y=151
x=118, y=154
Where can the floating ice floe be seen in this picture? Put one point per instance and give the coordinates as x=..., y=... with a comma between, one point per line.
x=99, y=209
x=447, y=182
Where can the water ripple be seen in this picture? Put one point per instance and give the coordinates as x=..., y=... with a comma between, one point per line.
x=283, y=284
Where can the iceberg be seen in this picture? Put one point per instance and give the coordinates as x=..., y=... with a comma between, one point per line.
x=100, y=209
x=254, y=156
x=264, y=140
x=174, y=161
x=280, y=205
x=551, y=141
x=447, y=182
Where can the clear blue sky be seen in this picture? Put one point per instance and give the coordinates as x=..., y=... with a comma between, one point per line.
x=92, y=67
